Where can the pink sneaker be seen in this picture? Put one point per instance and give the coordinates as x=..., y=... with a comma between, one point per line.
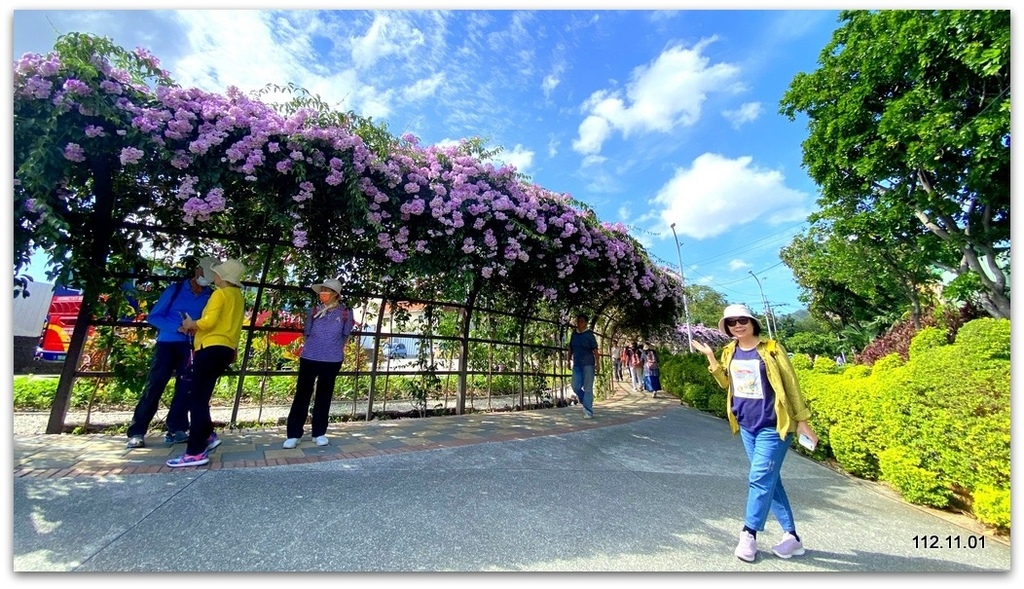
x=789, y=546
x=747, y=548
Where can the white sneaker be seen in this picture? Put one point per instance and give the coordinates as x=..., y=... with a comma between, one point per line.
x=290, y=443
x=320, y=440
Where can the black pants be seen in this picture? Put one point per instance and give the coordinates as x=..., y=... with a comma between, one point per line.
x=324, y=374
x=207, y=366
x=168, y=358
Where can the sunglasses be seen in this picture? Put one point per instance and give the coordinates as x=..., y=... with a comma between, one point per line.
x=738, y=320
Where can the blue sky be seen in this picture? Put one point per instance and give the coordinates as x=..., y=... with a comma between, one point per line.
x=649, y=117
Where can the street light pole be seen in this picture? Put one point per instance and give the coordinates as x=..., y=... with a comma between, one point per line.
x=682, y=279
x=764, y=303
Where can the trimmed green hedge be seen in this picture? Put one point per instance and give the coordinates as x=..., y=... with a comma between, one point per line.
x=933, y=427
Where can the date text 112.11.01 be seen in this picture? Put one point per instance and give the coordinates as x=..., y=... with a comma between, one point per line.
x=934, y=541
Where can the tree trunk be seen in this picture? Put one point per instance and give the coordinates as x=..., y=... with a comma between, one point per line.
x=103, y=228
x=467, y=318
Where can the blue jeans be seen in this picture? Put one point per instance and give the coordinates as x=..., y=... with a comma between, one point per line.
x=583, y=386
x=168, y=358
x=766, y=452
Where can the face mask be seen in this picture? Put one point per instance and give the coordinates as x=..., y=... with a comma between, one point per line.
x=325, y=297
x=202, y=281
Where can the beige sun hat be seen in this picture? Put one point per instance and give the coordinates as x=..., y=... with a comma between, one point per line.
x=736, y=311
x=207, y=265
x=331, y=283
x=231, y=271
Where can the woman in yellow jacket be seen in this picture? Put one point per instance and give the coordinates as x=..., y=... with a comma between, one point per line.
x=216, y=340
x=764, y=404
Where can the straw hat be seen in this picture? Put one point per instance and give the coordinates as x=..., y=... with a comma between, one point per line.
x=736, y=311
x=230, y=271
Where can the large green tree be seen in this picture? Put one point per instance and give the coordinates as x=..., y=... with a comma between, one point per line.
x=876, y=262
x=912, y=109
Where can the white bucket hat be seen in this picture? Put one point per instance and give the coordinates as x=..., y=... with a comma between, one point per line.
x=736, y=311
x=207, y=265
x=230, y=271
x=331, y=283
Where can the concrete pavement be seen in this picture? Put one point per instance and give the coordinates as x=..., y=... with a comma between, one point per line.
x=646, y=486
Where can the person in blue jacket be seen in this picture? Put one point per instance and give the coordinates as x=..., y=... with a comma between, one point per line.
x=172, y=354
x=583, y=354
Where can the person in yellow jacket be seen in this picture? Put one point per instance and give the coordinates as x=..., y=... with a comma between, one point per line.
x=765, y=406
x=216, y=334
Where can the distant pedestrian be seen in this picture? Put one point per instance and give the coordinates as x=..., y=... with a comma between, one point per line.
x=584, y=357
x=764, y=404
x=326, y=332
x=216, y=335
x=636, y=368
x=172, y=354
x=616, y=361
x=652, y=374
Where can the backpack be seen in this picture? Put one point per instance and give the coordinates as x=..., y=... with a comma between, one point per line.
x=652, y=359
x=638, y=357
x=626, y=356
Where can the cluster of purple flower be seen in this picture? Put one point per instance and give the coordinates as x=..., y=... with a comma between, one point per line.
x=227, y=150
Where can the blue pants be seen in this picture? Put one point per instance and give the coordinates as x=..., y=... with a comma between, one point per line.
x=168, y=358
x=766, y=452
x=324, y=373
x=207, y=366
x=583, y=386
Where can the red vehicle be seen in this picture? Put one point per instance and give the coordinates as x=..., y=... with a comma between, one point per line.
x=59, y=325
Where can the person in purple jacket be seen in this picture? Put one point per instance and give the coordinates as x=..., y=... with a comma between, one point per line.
x=326, y=331
x=172, y=354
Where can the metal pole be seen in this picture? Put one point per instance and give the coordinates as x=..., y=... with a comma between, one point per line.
x=764, y=302
x=682, y=279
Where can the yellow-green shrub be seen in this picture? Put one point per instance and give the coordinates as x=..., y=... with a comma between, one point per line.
x=945, y=414
x=890, y=362
x=986, y=338
x=825, y=365
x=926, y=339
x=992, y=506
x=901, y=468
x=801, y=362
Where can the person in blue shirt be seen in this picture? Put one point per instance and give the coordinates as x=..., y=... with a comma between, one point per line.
x=172, y=354
x=583, y=354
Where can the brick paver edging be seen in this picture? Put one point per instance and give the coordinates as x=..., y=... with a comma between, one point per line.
x=621, y=400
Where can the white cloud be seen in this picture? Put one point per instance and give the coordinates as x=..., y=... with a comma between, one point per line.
x=716, y=194
x=738, y=265
x=243, y=48
x=424, y=88
x=661, y=96
x=553, y=146
x=519, y=157
x=550, y=82
x=385, y=37
x=593, y=132
x=744, y=114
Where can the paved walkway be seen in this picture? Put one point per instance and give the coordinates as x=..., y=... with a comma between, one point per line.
x=49, y=456
x=646, y=486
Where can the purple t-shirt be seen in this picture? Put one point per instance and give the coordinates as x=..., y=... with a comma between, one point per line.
x=753, y=398
x=325, y=336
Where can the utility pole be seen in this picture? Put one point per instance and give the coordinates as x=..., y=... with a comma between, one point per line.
x=764, y=303
x=682, y=279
